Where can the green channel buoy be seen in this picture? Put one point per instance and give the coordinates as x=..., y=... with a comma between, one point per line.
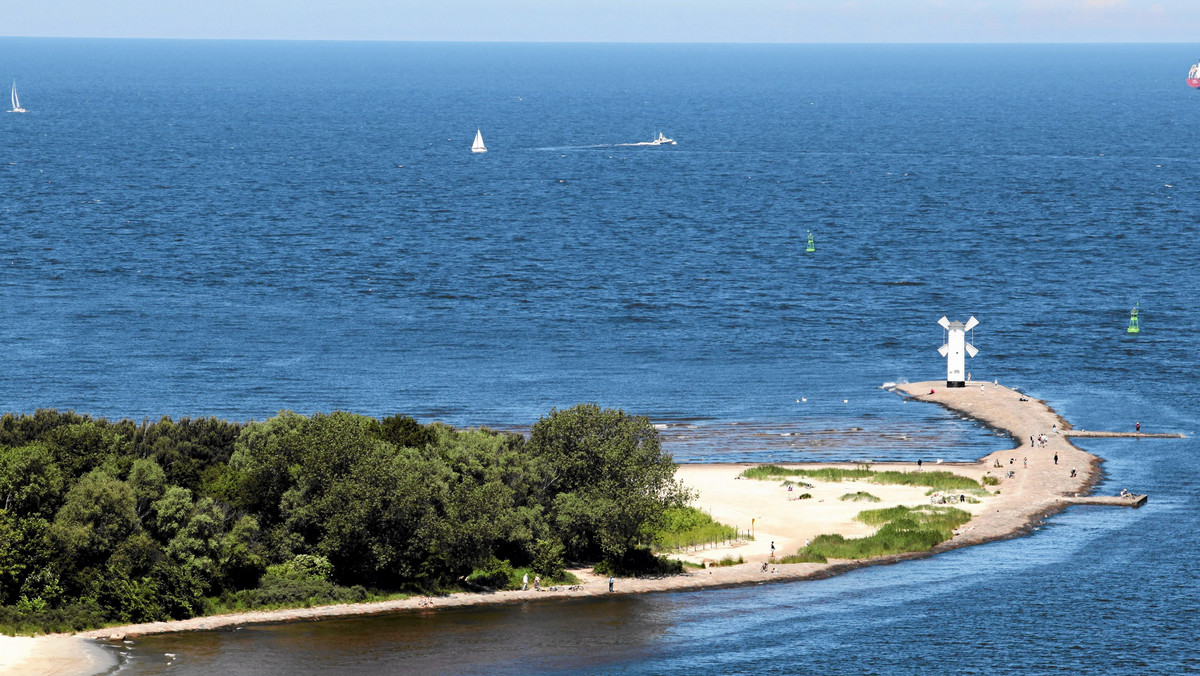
x=1133, y=321
x=811, y=246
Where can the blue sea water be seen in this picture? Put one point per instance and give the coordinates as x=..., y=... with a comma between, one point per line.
x=234, y=228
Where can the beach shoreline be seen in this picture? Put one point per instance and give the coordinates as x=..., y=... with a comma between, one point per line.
x=1019, y=502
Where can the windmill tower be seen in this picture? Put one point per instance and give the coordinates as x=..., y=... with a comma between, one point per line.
x=956, y=343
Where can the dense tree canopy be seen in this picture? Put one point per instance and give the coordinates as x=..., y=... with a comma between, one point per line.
x=139, y=521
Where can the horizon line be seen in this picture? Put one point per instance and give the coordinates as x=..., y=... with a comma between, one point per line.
x=589, y=42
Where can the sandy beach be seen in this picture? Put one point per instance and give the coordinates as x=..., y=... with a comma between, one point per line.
x=54, y=655
x=1034, y=491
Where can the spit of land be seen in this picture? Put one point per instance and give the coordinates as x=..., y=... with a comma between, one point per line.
x=1031, y=485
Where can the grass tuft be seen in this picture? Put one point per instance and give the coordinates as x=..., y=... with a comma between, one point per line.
x=938, y=480
x=860, y=496
x=804, y=556
x=903, y=529
x=684, y=527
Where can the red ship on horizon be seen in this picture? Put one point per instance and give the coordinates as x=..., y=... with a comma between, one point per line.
x=1194, y=76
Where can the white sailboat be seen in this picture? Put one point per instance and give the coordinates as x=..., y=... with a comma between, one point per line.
x=16, y=103
x=477, y=146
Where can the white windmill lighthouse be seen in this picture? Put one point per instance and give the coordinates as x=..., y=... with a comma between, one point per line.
x=956, y=342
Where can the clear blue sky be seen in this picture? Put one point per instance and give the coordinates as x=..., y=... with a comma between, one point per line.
x=615, y=20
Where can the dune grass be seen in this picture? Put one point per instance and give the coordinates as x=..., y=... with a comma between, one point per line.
x=804, y=556
x=979, y=492
x=801, y=484
x=938, y=480
x=684, y=527
x=903, y=529
x=860, y=496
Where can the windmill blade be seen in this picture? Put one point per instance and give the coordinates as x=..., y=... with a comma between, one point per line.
x=944, y=350
x=971, y=323
x=944, y=323
x=971, y=349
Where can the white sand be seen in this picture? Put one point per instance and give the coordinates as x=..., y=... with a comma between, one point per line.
x=780, y=517
x=54, y=655
x=14, y=650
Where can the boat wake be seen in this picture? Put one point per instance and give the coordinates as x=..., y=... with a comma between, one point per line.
x=587, y=147
x=660, y=140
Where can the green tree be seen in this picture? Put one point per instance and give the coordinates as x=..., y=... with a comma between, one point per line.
x=172, y=511
x=84, y=446
x=99, y=512
x=241, y=554
x=196, y=545
x=405, y=432
x=263, y=462
x=31, y=483
x=606, y=477
x=365, y=505
x=148, y=482
x=23, y=549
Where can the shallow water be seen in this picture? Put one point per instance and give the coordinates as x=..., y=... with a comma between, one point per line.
x=211, y=228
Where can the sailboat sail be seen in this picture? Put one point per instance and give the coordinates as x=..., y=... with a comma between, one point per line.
x=477, y=146
x=16, y=103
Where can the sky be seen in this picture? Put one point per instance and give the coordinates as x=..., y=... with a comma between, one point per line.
x=741, y=21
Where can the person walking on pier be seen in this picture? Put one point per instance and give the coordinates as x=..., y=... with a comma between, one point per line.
x=1137, y=426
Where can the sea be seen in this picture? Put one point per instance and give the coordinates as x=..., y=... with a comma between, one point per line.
x=231, y=229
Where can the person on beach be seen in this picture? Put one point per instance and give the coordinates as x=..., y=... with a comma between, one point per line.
x=772, y=549
x=1137, y=426
x=610, y=582
x=1056, y=458
x=968, y=376
x=1072, y=472
x=1026, y=462
x=525, y=582
x=537, y=583
x=918, y=464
